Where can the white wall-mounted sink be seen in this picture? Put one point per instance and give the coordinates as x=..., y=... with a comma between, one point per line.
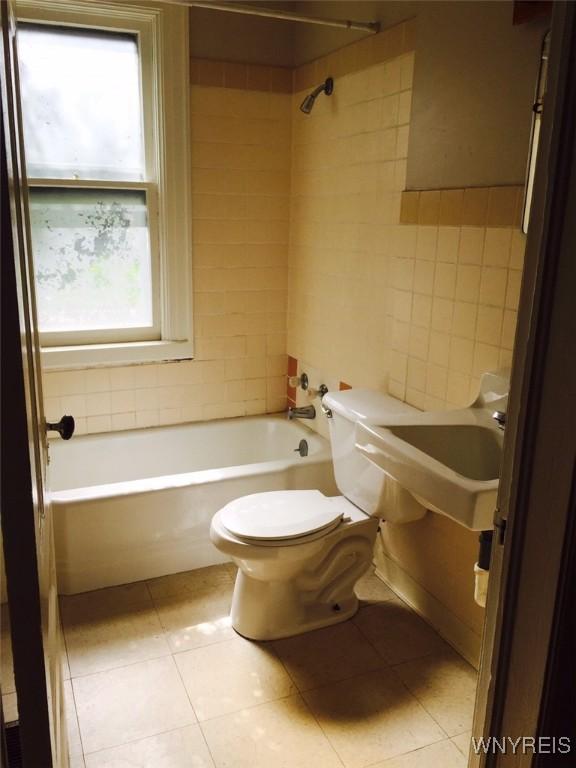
x=449, y=461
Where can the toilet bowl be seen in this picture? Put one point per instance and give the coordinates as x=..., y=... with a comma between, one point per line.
x=300, y=553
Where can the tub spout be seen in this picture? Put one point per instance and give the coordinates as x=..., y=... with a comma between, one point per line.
x=306, y=412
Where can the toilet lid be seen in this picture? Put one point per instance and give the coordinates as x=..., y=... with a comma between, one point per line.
x=280, y=515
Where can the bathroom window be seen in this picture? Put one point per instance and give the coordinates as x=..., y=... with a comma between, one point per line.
x=105, y=116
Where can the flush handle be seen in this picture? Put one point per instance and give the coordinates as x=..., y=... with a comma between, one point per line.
x=64, y=427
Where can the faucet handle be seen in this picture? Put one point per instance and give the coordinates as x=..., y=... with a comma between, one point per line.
x=500, y=418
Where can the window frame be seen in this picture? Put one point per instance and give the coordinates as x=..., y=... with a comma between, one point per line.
x=162, y=31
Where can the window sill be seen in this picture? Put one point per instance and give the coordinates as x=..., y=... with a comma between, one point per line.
x=103, y=355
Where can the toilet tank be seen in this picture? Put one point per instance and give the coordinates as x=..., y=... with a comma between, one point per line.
x=360, y=481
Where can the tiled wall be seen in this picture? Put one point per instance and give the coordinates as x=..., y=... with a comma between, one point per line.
x=414, y=293
x=306, y=243
x=348, y=172
x=240, y=211
x=454, y=298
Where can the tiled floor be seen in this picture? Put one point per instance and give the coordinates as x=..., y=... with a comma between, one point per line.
x=160, y=680
x=9, y=701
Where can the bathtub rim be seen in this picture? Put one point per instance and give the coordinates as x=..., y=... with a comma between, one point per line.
x=196, y=477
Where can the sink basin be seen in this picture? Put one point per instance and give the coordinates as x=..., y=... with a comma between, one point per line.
x=450, y=462
x=471, y=451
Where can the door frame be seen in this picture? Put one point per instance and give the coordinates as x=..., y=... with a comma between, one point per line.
x=25, y=519
x=18, y=529
x=533, y=560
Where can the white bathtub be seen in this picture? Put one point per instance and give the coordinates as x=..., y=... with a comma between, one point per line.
x=138, y=504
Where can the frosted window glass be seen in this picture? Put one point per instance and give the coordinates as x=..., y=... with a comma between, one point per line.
x=81, y=103
x=91, y=259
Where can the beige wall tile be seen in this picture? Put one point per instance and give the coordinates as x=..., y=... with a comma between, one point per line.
x=445, y=281
x=497, y=247
x=451, y=206
x=475, y=207
x=464, y=323
x=493, y=286
x=426, y=243
x=501, y=206
x=468, y=282
x=471, y=247
x=409, y=207
x=513, y=288
x=429, y=208
x=448, y=244
x=489, y=326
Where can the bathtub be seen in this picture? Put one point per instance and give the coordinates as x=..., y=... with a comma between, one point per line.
x=134, y=505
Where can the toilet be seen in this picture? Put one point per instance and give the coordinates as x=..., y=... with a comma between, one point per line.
x=300, y=553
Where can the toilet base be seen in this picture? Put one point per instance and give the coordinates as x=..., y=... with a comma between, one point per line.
x=274, y=610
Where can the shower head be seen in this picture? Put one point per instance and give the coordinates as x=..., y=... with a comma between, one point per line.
x=327, y=86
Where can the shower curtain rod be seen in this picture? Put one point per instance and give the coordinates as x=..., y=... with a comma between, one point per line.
x=252, y=10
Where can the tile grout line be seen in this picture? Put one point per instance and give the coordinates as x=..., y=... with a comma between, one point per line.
x=417, y=700
x=141, y=738
x=297, y=692
x=319, y=724
x=174, y=654
x=70, y=680
x=412, y=751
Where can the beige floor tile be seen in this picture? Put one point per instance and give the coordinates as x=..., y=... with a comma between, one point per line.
x=112, y=598
x=190, y=581
x=371, y=589
x=441, y=755
x=183, y=748
x=232, y=675
x=463, y=742
x=397, y=633
x=282, y=734
x=10, y=707
x=372, y=717
x=193, y=620
x=72, y=730
x=131, y=703
x=6, y=660
x=76, y=761
x=327, y=655
x=445, y=685
x=99, y=637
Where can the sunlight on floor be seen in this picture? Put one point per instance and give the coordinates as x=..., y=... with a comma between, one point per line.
x=157, y=678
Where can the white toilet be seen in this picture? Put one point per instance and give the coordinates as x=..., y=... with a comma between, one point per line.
x=300, y=553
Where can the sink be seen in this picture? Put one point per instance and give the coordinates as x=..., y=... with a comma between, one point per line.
x=469, y=450
x=449, y=461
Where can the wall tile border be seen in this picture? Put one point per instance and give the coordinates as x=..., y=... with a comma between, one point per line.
x=470, y=207
x=246, y=77
x=367, y=52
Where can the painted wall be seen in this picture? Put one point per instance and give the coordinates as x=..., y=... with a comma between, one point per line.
x=473, y=85
x=233, y=37
x=241, y=186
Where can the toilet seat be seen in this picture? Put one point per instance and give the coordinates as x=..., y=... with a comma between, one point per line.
x=278, y=518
